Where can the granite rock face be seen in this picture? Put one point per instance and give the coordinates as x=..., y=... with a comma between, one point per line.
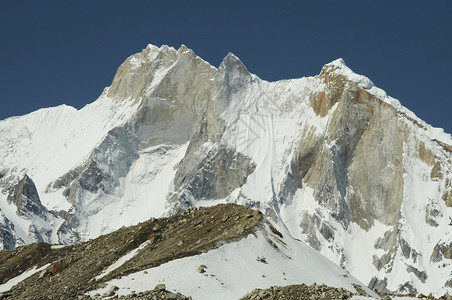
x=25, y=197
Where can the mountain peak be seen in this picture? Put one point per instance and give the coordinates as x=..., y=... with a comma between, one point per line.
x=183, y=49
x=340, y=63
x=231, y=56
x=151, y=47
x=338, y=67
x=231, y=62
x=165, y=49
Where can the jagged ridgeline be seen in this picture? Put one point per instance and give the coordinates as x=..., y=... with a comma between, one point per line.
x=332, y=158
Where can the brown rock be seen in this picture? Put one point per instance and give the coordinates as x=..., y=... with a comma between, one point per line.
x=57, y=268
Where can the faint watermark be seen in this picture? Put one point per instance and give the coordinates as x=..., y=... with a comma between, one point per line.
x=254, y=122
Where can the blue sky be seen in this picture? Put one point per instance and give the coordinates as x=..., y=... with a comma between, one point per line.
x=55, y=52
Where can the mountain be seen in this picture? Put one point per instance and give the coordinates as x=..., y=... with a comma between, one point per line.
x=331, y=158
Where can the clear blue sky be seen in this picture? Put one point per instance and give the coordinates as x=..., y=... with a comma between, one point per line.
x=55, y=52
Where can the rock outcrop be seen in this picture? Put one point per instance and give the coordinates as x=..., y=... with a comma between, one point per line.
x=24, y=202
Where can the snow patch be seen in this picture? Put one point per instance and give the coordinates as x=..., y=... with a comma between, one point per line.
x=122, y=260
x=12, y=282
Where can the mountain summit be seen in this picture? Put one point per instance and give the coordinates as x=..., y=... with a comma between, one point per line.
x=331, y=158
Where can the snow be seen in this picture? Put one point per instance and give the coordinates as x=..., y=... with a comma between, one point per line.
x=13, y=281
x=122, y=260
x=266, y=127
x=140, y=195
x=57, y=246
x=292, y=263
x=264, y=122
x=20, y=225
x=359, y=255
x=421, y=192
x=49, y=142
x=342, y=69
x=54, y=200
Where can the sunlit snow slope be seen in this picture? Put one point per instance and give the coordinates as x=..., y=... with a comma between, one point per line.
x=260, y=260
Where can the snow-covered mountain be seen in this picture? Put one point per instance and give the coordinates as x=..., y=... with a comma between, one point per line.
x=332, y=158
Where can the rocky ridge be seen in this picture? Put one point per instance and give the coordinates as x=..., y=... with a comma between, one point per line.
x=315, y=291
x=299, y=292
